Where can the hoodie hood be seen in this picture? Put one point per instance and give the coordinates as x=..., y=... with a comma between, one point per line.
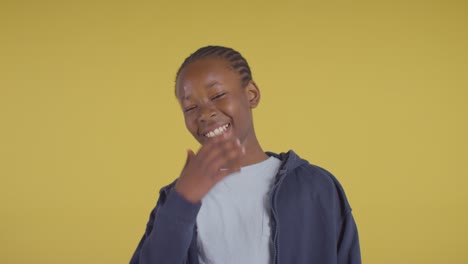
x=289, y=160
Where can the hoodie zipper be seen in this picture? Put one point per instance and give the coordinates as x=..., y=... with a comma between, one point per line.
x=274, y=214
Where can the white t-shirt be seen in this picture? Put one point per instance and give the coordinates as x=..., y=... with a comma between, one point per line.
x=234, y=219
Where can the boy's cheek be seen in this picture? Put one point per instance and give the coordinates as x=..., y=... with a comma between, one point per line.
x=191, y=128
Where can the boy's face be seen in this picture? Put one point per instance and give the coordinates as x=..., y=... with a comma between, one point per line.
x=214, y=102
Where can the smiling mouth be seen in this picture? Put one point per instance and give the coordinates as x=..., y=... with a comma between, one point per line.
x=217, y=131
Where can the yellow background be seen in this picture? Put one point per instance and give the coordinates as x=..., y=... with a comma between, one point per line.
x=374, y=91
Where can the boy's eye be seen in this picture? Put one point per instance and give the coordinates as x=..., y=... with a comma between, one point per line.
x=188, y=109
x=218, y=96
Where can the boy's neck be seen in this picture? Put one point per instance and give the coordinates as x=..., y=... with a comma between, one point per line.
x=253, y=153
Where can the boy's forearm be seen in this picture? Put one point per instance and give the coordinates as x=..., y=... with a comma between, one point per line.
x=172, y=232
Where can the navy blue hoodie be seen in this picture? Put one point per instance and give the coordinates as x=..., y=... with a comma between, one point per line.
x=310, y=216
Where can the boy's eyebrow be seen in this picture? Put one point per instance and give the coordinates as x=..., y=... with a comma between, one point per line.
x=208, y=86
x=212, y=84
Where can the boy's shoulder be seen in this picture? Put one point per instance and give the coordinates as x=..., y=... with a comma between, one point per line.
x=300, y=176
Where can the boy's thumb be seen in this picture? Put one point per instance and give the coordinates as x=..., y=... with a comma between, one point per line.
x=190, y=155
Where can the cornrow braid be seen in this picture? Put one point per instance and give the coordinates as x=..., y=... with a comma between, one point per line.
x=234, y=58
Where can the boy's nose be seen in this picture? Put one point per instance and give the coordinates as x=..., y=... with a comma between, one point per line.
x=206, y=113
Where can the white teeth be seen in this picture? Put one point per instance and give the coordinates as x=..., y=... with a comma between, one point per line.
x=216, y=132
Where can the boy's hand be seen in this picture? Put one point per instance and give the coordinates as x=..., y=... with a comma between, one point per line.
x=215, y=160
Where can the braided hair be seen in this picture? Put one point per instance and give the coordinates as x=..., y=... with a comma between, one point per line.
x=234, y=58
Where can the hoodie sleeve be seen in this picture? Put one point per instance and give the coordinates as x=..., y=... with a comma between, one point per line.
x=348, y=244
x=347, y=238
x=168, y=233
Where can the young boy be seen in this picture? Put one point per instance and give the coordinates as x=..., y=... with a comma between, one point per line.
x=234, y=203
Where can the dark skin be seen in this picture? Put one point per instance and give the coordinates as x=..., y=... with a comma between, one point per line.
x=212, y=96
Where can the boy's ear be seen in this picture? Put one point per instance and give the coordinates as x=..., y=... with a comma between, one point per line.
x=253, y=94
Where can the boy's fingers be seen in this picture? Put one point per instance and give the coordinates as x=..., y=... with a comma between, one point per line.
x=226, y=154
x=221, y=157
x=219, y=149
x=223, y=172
